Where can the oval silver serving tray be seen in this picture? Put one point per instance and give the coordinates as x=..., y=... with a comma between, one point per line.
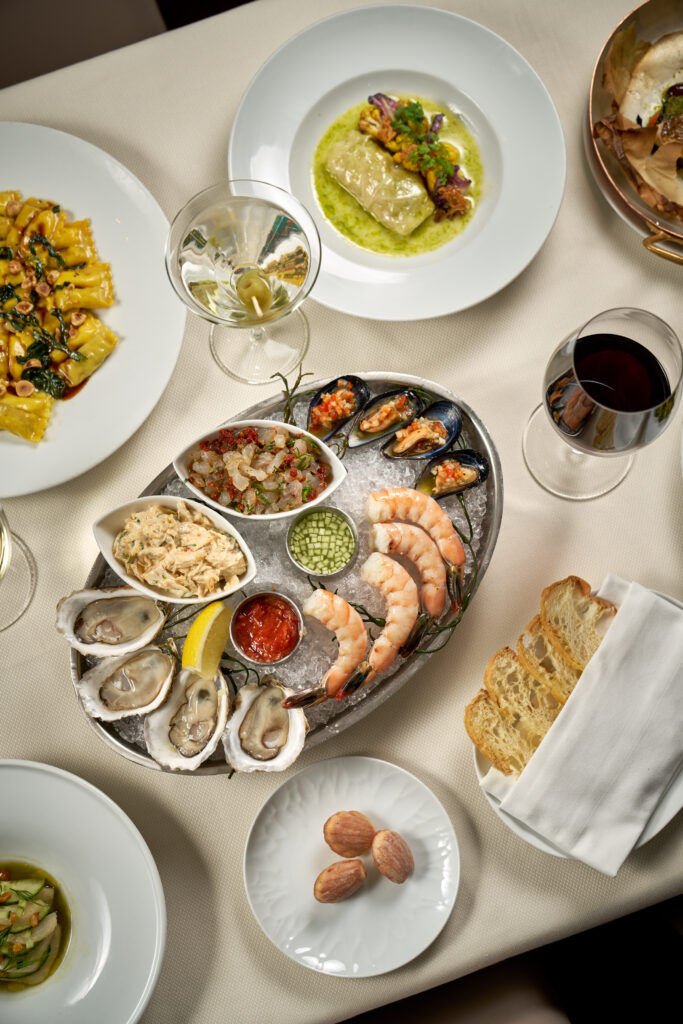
x=338, y=715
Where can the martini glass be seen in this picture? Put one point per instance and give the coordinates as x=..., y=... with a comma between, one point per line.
x=610, y=388
x=244, y=255
x=17, y=575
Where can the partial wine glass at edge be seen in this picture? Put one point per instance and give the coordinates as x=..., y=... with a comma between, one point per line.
x=17, y=575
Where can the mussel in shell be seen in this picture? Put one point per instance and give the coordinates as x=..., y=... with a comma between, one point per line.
x=432, y=432
x=335, y=404
x=385, y=414
x=453, y=472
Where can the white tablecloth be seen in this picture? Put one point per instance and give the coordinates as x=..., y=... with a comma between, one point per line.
x=164, y=107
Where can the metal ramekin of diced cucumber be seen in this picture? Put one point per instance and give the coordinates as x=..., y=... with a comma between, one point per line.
x=322, y=541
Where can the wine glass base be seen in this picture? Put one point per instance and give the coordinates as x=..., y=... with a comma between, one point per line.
x=254, y=356
x=18, y=584
x=562, y=470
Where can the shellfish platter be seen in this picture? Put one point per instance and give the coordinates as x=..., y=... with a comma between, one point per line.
x=411, y=453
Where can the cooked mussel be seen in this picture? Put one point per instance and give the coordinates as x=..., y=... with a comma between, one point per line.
x=426, y=435
x=384, y=414
x=335, y=404
x=453, y=472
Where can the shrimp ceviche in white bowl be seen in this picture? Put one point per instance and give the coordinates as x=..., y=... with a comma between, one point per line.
x=260, y=468
x=378, y=575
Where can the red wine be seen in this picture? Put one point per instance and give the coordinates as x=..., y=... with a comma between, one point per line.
x=619, y=373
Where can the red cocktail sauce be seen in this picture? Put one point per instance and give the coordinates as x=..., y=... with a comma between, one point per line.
x=266, y=628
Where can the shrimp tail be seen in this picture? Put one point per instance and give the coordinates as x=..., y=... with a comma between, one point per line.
x=361, y=675
x=455, y=585
x=306, y=699
x=422, y=624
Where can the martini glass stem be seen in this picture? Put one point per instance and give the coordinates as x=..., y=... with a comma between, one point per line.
x=260, y=352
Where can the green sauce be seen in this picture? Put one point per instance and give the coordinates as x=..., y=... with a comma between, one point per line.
x=352, y=221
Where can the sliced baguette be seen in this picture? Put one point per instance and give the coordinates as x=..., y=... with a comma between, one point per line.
x=496, y=735
x=520, y=695
x=539, y=657
x=573, y=620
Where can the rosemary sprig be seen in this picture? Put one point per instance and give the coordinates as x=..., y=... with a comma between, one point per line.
x=290, y=393
x=447, y=628
x=241, y=675
x=365, y=615
x=339, y=443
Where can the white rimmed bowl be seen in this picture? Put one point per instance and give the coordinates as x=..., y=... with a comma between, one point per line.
x=106, y=528
x=62, y=824
x=181, y=466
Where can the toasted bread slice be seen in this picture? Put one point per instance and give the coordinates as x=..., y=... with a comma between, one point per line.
x=496, y=735
x=520, y=695
x=539, y=657
x=573, y=620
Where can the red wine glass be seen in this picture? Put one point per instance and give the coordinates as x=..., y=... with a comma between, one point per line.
x=610, y=388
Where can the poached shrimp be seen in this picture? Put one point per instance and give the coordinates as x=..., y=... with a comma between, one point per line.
x=400, y=595
x=337, y=615
x=413, y=543
x=413, y=506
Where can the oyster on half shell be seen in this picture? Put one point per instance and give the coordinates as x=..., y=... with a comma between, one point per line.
x=262, y=736
x=130, y=684
x=113, y=620
x=186, y=729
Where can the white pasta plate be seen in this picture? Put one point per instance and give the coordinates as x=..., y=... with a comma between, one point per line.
x=668, y=806
x=420, y=51
x=129, y=230
x=61, y=824
x=109, y=525
x=182, y=466
x=383, y=925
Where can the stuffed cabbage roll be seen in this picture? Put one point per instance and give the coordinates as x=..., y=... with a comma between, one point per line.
x=395, y=197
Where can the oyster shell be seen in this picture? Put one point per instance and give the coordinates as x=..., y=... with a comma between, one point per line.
x=453, y=472
x=187, y=727
x=131, y=684
x=353, y=392
x=113, y=620
x=261, y=734
x=432, y=432
x=384, y=414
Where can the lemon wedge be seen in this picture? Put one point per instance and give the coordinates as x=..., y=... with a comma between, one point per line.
x=206, y=639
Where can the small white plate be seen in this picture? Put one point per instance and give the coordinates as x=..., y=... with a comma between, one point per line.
x=60, y=823
x=129, y=229
x=383, y=925
x=181, y=464
x=106, y=528
x=669, y=805
x=338, y=62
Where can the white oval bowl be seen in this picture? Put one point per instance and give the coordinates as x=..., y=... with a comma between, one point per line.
x=106, y=528
x=180, y=464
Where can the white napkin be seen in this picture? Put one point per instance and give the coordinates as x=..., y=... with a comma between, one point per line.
x=617, y=744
